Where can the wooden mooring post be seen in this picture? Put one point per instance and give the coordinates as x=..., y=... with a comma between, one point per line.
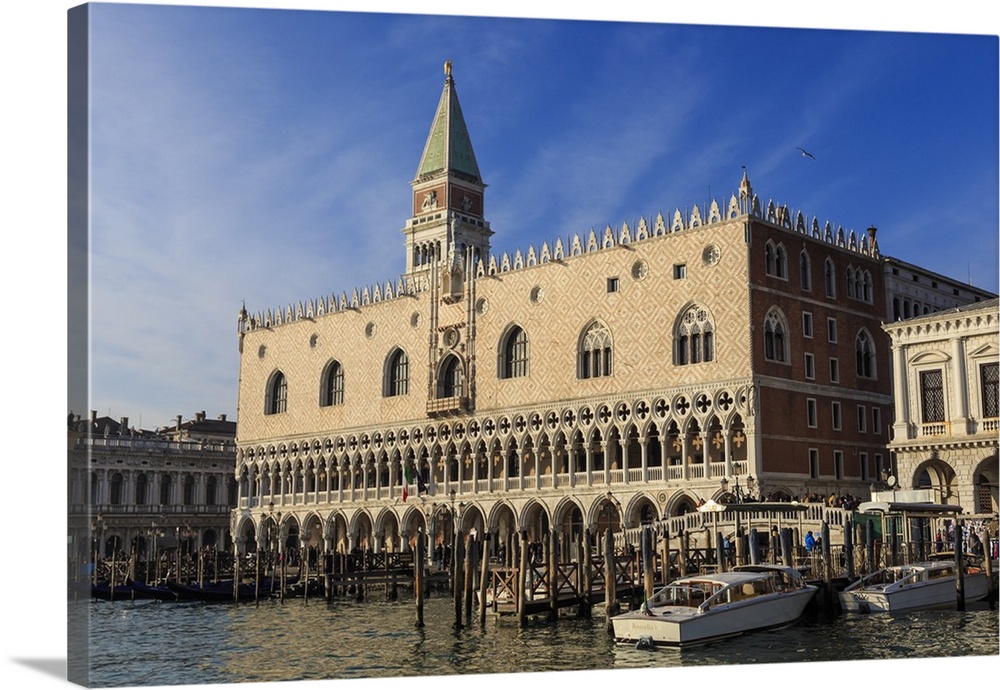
x=849, y=548
x=484, y=577
x=472, y=553
x=754, y=548
x=786, y=547
x=553, y=575
x=665, y=575
x=522, y=573
x=960, y=580
x=647, y=561
x=610, y=600
x=418, y=577
x=588, y=577
x=457, y=572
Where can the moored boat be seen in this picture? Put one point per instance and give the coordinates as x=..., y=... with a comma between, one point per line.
x=925, y=585
x=701, y=608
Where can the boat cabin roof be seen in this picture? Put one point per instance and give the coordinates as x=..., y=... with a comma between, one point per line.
x=922, y=509
x=727, y=578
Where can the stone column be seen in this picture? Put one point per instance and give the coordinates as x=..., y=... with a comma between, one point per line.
x=960, y=388
x=901, y=426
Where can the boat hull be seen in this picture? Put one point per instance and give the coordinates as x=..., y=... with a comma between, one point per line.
x=680, y=626
x=923, y=595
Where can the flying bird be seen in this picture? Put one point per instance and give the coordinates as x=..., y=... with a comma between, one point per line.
x=805, y=153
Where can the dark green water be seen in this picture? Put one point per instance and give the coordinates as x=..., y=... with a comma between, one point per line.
x=160, y=643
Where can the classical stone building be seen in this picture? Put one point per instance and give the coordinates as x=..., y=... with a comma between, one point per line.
x=945, y=369
x=136, y=492
x=606, y=378
x=912, y=291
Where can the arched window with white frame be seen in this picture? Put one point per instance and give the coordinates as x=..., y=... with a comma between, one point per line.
x=694, y=336
x=513, y=354
x=396, y=377
x=332, y=390
x=595, y=352
x=450, y=377
x=776, y=337
x=276, y=394
x=864, y=350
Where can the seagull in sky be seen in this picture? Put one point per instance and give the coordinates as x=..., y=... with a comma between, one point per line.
x=806, y=153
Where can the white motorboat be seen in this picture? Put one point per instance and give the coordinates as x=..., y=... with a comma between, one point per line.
x=931, y=584
x=702, y=608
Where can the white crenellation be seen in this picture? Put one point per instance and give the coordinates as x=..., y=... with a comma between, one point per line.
x=574, y=246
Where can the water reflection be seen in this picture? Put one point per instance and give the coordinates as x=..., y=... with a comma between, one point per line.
x=160, y=643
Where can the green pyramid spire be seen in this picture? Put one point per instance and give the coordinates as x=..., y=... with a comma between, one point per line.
x=448, y=148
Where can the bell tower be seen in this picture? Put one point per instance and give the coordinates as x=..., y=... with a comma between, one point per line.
x=447, y=218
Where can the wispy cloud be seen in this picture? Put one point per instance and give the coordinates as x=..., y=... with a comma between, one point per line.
x=265, y=157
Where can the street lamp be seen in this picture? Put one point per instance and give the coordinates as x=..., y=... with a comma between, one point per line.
x=737, y=489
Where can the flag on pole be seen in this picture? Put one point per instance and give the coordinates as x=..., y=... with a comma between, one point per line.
x=407, y=480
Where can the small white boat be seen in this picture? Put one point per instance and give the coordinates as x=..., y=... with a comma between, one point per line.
x=931, y=584
x=702, y=608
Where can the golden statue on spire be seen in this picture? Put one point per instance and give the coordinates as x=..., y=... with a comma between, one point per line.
x=447, y=68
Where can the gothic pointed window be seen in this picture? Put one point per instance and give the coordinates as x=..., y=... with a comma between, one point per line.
x=769, y=258
x=775, y=337
x=829, y=278
x=694, y=339
x=450, y=378
x=332, y=392
x=780, y=261
x=397, y=374
x=866, y=287
x=514, y=354
x=805, y=271
x=595, y=352
x=276, y=400
x=864, y=349
x=850, y=282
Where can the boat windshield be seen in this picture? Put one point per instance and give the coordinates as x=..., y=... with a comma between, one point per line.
x=692, y=593
x=888, y=576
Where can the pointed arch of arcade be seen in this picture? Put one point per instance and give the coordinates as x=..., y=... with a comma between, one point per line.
x=641, y=509
x=567, y=516
x=681, y=503
x=388, y=532
x=502, y=520
x=535, y=520
x=361, y=531
x=311, y=537
x=604, y=512
x=246, y=536
x=338, y=532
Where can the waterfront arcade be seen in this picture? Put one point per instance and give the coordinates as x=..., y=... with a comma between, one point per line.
x=603, y=379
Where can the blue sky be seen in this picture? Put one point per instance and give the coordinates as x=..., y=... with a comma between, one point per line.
x=265, y=155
